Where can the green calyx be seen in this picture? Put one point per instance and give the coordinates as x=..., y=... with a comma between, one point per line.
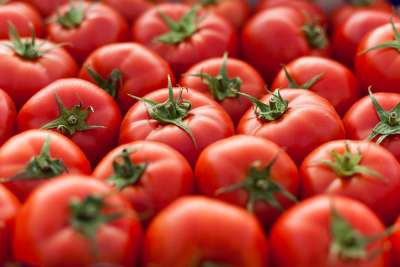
x=179, y=30
x=361, y=3
x=389, y=121
x=307, y=85
x=213, y=264
x=172, y=111
x=209, y=2
x=395, y=44
x=71, y=120
x=110, y=84
x=73, y=18
x=260, y=186
x=221, y=86
x=316, y=35
x=126, y=172
x=26, y=49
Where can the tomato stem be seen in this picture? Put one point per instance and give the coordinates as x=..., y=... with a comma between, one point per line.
x=315, y=34
x=307, y=85
x=28, y=48
x=209, y=2
x=110, y=84
x=395, y=44
x=73, y=18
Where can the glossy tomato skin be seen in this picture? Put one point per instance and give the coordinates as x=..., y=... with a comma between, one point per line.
x=21, y=78
x=211, y=239
x=252, y=83
x=131, y=9
x=42, y=108
x=228, y=161
x=16, y=153
x=101, y=25
x=137, y=79
x=213, y=37
x=302, y=236
x=167, y=176
x=7, y=118
x=207, y=120
x=43, y=240
x=338, y=84
x=309, y=122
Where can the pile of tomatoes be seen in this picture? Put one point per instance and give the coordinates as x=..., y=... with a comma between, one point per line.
x=199, y=133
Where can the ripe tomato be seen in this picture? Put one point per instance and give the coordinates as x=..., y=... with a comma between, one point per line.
x=323, y=76
x=85, y=27
x=298, y=34
x=184, y=36
x=45, y=155
x=329, y=231
x=297, y=120
x=116, y=69
x=185, y=120
x=131, y=9
x=77, y=109
x=23, y=16
x=7, y=117
x=198, y=231
x=151, y=175
x=249, y=172
x=395, y=245
x=27, y=65
x=89, y=224
x=221, y=79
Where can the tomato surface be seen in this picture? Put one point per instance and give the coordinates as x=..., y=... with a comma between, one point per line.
x=7, y=117
x=132, y=9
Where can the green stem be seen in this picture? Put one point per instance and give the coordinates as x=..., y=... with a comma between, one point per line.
x=110, y=84
x=73, y=18
x=307, y=85
x=395, y=44
x=315, y=34
x=26, y=49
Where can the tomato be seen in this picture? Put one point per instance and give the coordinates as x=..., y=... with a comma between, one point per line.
x=116, y=69
x=77, y=109
x=250, y=172
x=131, y=9
x=85, y=27
x=151, y=175
x=23, y=16
x=7, y=118
x=204, y=232
x=323, y=76
x=395, y=245
x=184, y=36
x=297, y=120
x=30, y=158
x=329, y=231
x=27, y=65
x=299, y=35
x=185, y=120
x=221, y=78
x=88, y=224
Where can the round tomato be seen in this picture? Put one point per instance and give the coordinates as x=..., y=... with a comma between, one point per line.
x=77, y=109
x=329, y=231
x=30, y=158
x=323, y=76
x=297, y=120
x=76, y=221
x=299, y=35
x=204, y=232
x=222, y=78
x=151, y=175
x=185, y=120
x=184, y=36
x=250, y=172
x=115, y=68
x=7, y=118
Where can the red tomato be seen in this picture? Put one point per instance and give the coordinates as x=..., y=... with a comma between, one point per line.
x=151, y=175
x=132, y=9
x=297, y=120
x=79, y=110
x=46, y=7
x=132, y=78
x=7, y=117
x=185, y=120
x=76, y=221
x=221, y=78
x=197, y=36
x=249, y=172
x=329, y=231
x=85, y=27
x=323, y=76
x=298, y=36
x=23, y=16
x=395, y=245
x=30, y=158
x=198, y=231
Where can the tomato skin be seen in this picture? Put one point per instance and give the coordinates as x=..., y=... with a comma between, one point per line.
x=252, y=83
x=210, y=240
x=43, y=240
x=137, y=80
x=7, y=118
x=395, y=245
x=167, y=177
x=132, y=9
x=213, y=37
x=338, y=84
x=301, y=237
x=207, y=121
x=309, y=122
x=42, y=108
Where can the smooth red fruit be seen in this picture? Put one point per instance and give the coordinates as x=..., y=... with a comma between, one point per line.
x=7, y=118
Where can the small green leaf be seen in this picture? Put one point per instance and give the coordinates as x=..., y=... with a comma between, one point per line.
x=73, y=18
x=307, y=85
x=111, y=84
